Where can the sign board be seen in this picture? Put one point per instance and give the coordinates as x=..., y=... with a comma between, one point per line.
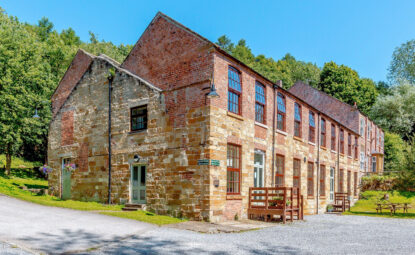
x=214, y=162
x=203, y=162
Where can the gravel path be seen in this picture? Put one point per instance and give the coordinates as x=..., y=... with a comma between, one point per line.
x=7, y=249
x=320, y=234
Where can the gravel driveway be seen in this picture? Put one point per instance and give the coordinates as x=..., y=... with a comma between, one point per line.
x=55, y=230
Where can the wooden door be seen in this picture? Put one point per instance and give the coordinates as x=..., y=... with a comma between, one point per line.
x=138, y=184
x=66, y=179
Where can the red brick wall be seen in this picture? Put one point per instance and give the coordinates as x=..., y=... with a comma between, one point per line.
x=67, y=128
x=74, y=73
x=232, y=207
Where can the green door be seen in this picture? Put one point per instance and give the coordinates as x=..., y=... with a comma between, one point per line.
x=66, y=180
x=138, y=184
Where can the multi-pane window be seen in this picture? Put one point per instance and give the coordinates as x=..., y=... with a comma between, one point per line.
x=279, y=175
x=297, y=120
x=362, y=127
x=341, y=180
x=349, y=182
x=355, y=183
x=356, y=147
x=362, y=159
x=297, y=173
x=310, y=179
x=349, y=144
x=312, y=127
x=333, y=137
x=138, y=118
x=322, y=180
x=259, y=102
x=342, y=141
x=281, y=112
x=323, y=133
x=234, y=90
x=234, y=169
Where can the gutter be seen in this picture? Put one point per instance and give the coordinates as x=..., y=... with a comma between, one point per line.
x=273, y=134
x=318, y=161
x=110, y=79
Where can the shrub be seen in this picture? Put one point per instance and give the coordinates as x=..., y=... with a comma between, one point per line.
x=378, y=182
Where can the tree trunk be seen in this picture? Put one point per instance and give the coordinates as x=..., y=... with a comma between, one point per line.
x=8, y=162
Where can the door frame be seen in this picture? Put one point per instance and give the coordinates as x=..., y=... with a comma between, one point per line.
x=130, y=199
x=62, y=173
x=263, y=167
x=332, y=183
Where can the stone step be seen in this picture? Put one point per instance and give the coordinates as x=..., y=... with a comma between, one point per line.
x=129, y=209
x=138, y=206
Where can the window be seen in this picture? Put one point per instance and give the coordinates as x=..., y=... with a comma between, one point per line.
x=234, y=90
x=310, y=179
x=281, y=112
x=138, y=118
x=233, y=170
x=322, y=180
x=355, y=183
x=259, y=102
x=331, y=183
x=297, y=120
x=349, y=145
x=341, y=180
x=333, y=137
x=279, y=175
x=373, y=164
x=362, y=127
x=297, y=173
x=342, y=141
x=312, y=127
x=323, y=133
x=369, y=130
x=259, y=158
x=349, y=183
x=356, y=147
x=362, y=160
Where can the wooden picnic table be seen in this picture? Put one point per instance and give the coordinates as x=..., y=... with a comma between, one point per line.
x=392, y=207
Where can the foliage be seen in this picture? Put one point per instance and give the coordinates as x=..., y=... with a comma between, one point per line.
x=396, y=112
x=402, y=65
x=344, y=83
x=70, y=167
x=45, y=169
x=378, y=182
x=287, y=69
x=366, y=206
x=146, y=217
x=394, y=147
x=33, y=59
x=18, y=162
x=406, y=177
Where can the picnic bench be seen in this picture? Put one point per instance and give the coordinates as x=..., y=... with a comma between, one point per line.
x=393, y=207
x=265, y=203
x=341, y=202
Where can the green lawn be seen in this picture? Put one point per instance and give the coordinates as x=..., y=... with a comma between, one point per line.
x=10, y=186
x=18, y=162
x=367, y=204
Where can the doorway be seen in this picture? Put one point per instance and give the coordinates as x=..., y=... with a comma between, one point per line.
x=331, y=183
x=259, y=162
x=138, y=184
x=66, y=179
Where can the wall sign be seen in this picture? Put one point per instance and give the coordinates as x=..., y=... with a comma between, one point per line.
x=214, y=162
x=203, y=162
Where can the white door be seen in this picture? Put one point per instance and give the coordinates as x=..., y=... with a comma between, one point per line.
x=259, y=161
x=138, y=184
x=331, y=183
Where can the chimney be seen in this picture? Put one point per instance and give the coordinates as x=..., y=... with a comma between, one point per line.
x=279, y=83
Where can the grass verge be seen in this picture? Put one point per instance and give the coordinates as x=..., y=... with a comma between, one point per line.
x=10, y=186
x=366, y=206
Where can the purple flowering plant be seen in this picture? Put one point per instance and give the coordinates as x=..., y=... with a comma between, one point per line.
x=70, y=167
x=45, y=169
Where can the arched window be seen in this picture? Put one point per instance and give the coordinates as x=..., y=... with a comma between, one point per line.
x=260, y=102
x=323, y=133
x=312, y=127
x=234, y=90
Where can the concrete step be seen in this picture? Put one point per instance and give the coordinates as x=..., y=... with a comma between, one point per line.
x=129, y=209
x=138, y=206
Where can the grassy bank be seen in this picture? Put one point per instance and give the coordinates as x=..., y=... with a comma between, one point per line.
x=369, y=199
x=12, y=186
x=18, y=162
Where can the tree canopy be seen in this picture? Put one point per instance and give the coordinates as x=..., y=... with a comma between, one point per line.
x=402, y=66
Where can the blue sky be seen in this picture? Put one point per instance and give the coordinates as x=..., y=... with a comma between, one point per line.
x=360, y=34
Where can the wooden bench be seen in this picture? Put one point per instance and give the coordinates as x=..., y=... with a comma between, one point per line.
x=393, y=207
x=265, y=203
x=341, y=202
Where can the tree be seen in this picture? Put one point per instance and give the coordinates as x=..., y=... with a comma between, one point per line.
x=24, y=82
x=394, y=148
x=345, y=84
x=396, y=112
x=402, y=65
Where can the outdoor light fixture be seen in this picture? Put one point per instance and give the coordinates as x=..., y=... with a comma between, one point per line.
x=36, y=116
x=212, y=93
x=136, y=158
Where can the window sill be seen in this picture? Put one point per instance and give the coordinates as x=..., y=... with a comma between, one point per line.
x=281, y=132
x=324, y=148
x=312, y=143
x=236, y=116
x=310, y=197
x=261, y=125
x=138, y=131
x=341, y=154
x=333, y=151
x=356, y=159
x=322, y=197
x=349, y=157
x=298, y=138
x=234, y=197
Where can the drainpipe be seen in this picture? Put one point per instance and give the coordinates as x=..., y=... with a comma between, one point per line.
x=338, y=159
x=110, y=78
x=275, y=86
x=318, y=161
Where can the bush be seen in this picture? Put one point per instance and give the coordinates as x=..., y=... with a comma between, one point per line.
x=378, y=182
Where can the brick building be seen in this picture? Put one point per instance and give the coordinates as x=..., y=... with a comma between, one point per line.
x=183, y=153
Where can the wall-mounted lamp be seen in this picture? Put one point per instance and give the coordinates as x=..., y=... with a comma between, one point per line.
x=212, y=93
x=305, y=159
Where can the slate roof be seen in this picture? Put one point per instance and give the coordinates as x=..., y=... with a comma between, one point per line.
x=328, y=105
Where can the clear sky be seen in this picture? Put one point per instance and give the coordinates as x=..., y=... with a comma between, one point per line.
x=361, y=34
